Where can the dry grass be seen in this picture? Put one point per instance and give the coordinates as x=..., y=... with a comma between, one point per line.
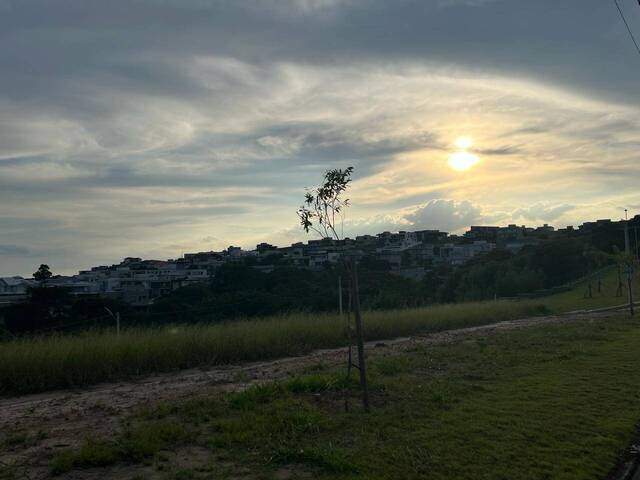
x=63, y=361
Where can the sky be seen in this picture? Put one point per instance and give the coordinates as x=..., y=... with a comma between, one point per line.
x=151, y=128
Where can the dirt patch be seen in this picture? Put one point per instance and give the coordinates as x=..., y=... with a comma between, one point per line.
x=62, y=419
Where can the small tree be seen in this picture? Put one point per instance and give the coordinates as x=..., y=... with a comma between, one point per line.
x=627, y=264
x=43, y=273
x=324, y=203
x=323, y=207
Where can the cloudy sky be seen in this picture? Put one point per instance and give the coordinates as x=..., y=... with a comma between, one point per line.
x=156, y=127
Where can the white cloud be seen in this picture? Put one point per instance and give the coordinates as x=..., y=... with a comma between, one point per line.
x=445, y=215
x=542, y=211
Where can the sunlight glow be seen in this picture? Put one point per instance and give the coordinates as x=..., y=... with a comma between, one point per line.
x=463, y=142
x=462, y=160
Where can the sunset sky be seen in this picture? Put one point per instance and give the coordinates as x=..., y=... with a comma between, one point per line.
x=152, y=128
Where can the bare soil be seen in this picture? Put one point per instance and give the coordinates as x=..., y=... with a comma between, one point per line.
x=61, y=419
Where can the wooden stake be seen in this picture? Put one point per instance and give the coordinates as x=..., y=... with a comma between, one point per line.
x=629, y=276
x=340, y=295
x=360, y=338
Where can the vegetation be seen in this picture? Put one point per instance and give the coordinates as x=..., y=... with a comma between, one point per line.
x=42, y=363
x=602, y=293
x=239, y=291
x=324, y=203
x=554, y=401
x=43, y=273
x=58, y=361
x=502, y=274
x=54, y=308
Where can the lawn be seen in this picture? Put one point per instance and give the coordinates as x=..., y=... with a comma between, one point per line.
x=603, y=293
x=559, y=401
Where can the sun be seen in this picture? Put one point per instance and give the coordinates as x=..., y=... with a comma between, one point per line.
x=462, y=160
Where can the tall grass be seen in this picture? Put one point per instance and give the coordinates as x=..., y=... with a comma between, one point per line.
x=45, y=363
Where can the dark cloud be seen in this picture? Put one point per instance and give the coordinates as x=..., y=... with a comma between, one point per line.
x=506, y=150
x=13, y=250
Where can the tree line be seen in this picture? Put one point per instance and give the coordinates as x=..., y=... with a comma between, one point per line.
x=240, y=291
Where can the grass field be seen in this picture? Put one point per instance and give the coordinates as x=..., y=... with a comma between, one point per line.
x=39, y=364
x=577, y=298
x=61, y=361
x=550, y=402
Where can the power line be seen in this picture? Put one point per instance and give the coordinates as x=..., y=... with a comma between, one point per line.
x=633, y=39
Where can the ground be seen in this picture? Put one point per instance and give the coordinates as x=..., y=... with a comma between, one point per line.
x=544, y=397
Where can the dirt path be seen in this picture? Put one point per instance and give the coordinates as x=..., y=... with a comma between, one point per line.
x=61, y=419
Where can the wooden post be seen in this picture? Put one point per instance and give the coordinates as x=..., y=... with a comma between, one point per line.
x=360, y=338
x=118, y=323
x=629, y=276
x=350, y=309
x=340, y=295
x=619, y=289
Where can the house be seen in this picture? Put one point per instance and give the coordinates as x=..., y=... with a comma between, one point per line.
x=13, y=285
x=483, y=233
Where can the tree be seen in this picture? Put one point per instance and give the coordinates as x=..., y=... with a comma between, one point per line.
x=626, y=264
x=323, y=206
x=43, y=274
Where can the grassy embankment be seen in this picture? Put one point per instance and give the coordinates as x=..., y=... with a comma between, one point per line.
x=549, y=402
x=39, y=364
x=577, y=298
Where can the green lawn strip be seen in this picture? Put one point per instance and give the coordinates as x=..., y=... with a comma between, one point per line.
x=577, y=298
x=548, y=402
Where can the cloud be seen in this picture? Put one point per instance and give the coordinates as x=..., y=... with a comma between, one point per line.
x=505, y=150
x=445, y=215
x=124, y=133
x=13, y=250
x=463, y=3
x=542, y=211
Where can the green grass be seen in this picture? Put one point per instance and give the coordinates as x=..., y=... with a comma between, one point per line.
x=577, y=298
x=549, y=402
x=39, y=364
x=136, y=443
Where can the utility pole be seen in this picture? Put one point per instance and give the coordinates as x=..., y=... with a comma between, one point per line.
x=629, y=261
